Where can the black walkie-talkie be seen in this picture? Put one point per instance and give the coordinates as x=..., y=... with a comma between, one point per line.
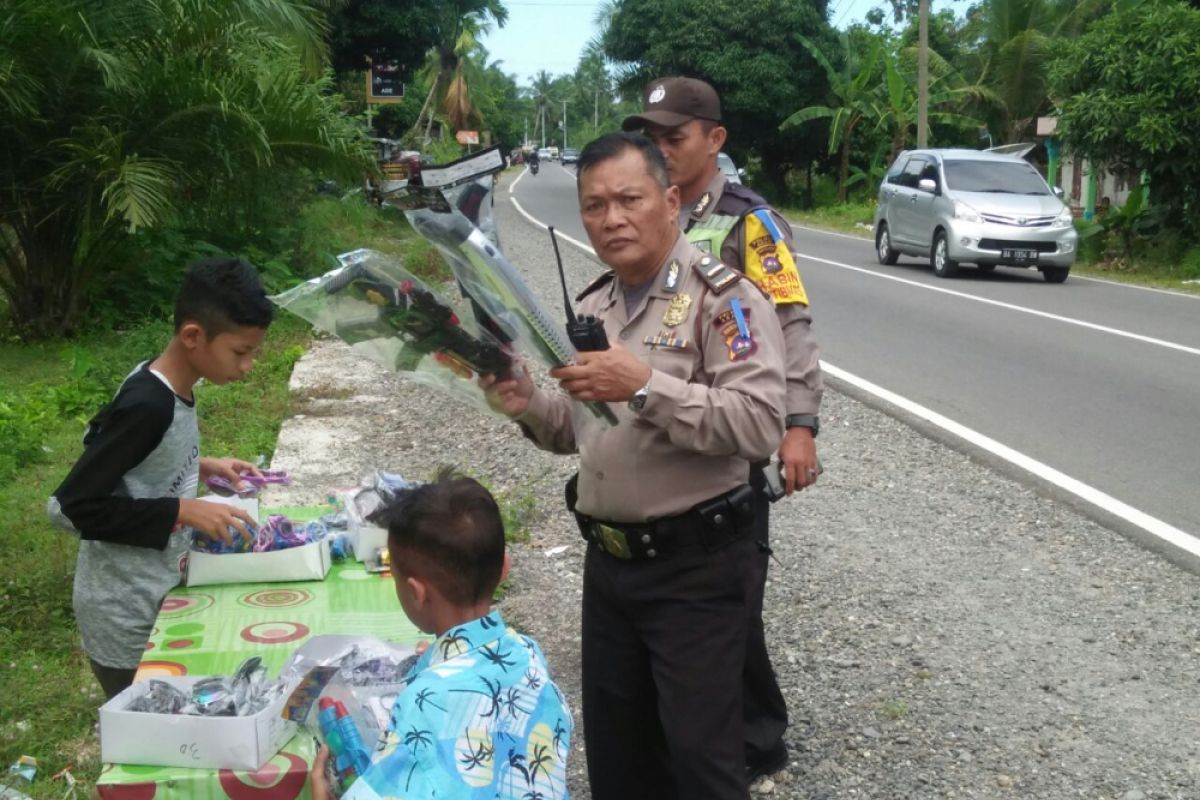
x=586, y=332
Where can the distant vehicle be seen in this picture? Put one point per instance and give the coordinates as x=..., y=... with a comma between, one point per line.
x=553, y=152
x=544, y=154
x=570, y=155
x=969, y=206
x=729, y=169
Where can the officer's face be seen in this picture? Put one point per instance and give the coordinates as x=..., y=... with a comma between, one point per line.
x=691, y=151
x=630, y=218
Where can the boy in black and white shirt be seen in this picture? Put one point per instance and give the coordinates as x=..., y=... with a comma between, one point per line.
x=131, y=496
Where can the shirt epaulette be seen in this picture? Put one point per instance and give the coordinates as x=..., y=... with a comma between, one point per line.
x=599, y=283
x=741, y=196
x=714, y=273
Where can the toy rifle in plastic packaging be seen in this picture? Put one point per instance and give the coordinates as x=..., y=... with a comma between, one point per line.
x=426, y=325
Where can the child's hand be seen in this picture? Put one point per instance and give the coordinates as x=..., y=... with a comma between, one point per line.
x=320, y=787
x=230, y=469
x=214, y=519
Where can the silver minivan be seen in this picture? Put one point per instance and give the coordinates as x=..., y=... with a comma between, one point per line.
x=973, y=207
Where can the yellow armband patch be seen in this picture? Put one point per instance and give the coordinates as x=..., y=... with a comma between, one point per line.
x=769, y=262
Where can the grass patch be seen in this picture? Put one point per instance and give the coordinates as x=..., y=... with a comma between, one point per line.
x=48, y=391
x=50, y=697
x=894, y=710
x=847, y=218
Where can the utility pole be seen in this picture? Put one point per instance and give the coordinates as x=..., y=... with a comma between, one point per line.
x=923, y=76
x=596, y=109
x=564, y=102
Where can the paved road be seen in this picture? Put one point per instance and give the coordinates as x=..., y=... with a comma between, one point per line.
x=1096, y=382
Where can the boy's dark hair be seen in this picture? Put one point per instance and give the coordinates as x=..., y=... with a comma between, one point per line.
x=448, y=532
x=222, y=294
x=612, y=145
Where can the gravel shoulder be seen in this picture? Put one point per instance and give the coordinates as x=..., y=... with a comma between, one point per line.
x=940, y=630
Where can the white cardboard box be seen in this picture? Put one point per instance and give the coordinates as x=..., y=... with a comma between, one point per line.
x=181, y=740
x=308, y=562
x=367, y=539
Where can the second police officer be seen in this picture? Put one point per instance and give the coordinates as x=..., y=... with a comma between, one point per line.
x=683, y=117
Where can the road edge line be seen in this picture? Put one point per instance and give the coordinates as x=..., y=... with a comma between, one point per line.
x=1158, y=535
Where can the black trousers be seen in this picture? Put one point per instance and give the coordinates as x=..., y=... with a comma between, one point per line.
x=764, y=708
x=664, y=645
x=113, y=680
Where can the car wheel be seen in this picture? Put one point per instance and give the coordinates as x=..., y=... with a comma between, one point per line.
x=883, y=246
x=943, y=265
x=1055, y=274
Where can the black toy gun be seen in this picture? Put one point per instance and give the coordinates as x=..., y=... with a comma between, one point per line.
x=426, y=324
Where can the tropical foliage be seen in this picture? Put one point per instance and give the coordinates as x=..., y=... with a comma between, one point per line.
x=120, y=115
x=1131, y=97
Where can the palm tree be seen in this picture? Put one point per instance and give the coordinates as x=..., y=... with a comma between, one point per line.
x=1017, y=44
x=854, y=87
x=539, y=92
x=115, y=111
x=462, y=23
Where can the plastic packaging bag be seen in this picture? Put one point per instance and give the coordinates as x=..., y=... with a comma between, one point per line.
x=388, y=315
x=251, y=484
x=243, y=694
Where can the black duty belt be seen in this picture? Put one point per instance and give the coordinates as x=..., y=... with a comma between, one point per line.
x=709, y=525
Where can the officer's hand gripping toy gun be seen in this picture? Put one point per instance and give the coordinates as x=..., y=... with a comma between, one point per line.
x=586, y=332
x=348, y=756
x=428, y=325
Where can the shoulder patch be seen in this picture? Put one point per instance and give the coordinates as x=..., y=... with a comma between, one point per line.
x=718, y=276
x=599, y=283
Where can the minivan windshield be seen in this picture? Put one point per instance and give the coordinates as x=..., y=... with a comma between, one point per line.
x=993, y=176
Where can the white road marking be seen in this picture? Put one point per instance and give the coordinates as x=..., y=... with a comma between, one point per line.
x=866, y=239
x=1074, y=276
x=1155, y=289
x=1010, y=306
x=544, y=227
x=513, y=186
x=1152, y=525
x=1164, y=531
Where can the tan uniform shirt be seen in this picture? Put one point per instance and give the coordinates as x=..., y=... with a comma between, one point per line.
x=805, y=385
x=713, y=407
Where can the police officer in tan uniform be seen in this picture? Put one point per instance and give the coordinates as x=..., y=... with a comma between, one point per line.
x=695, y=376
x=683, y=117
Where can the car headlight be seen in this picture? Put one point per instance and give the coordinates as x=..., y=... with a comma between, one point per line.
x=1065, y=219
x=966, y=213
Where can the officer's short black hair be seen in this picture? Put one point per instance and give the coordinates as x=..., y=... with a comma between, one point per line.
x=448, y=532
x=612, y=145
x=222, y=295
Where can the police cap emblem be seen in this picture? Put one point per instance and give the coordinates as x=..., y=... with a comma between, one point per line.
x=657, y=95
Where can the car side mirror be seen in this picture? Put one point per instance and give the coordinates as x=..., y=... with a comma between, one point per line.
x=1058, y=192
x=927, y=185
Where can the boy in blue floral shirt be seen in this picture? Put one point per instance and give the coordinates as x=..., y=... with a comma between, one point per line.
x=480, y=717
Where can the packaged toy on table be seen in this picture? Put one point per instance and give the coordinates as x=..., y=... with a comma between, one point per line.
x=220, y=722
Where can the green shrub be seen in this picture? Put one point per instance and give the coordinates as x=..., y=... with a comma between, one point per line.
x=1189, y=265
x=24, y=424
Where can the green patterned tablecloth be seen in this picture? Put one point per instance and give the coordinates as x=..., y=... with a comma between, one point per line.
x=209, y=630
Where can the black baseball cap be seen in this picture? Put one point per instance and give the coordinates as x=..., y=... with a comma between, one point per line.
x=671, y=102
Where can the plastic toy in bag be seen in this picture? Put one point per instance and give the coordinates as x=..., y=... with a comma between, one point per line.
x=251, y=484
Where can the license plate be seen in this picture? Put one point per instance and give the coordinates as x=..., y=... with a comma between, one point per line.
x=1019, y=255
